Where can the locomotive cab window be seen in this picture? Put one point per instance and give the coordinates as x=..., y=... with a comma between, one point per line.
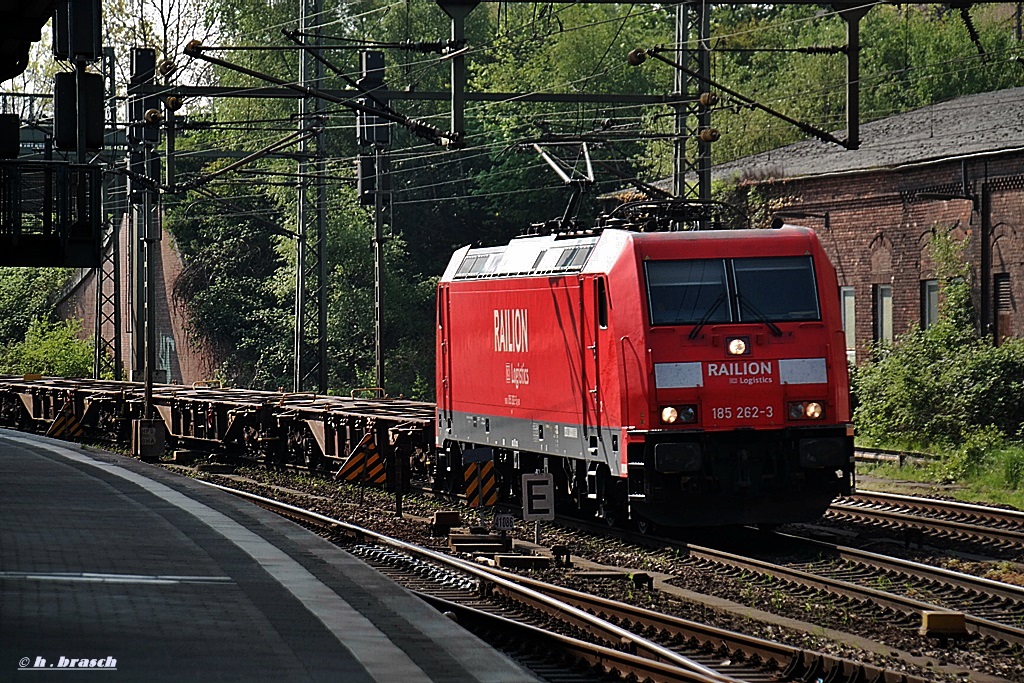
x=703, y=291
x=760, y=281
x=687, y=292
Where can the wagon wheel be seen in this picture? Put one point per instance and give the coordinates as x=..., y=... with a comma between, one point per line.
x=307, y=449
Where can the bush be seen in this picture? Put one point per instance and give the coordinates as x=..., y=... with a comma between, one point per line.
x=1013, y=468
x=972, y=455
x=946, y=386
x=52, y=349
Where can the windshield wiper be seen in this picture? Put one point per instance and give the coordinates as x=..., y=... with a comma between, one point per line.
x=706, y=317
x=761, y=317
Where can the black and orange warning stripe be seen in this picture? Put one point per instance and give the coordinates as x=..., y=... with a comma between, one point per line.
x=365, y=464
x=481, y=484
x=66, y=425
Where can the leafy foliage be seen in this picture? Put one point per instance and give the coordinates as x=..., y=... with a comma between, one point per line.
x=944, y=387
x=29, y=341
x=25, y=295
x=53, y=349
x=231, y=257
x=912, y=56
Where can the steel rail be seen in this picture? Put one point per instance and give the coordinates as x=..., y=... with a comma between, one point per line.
x=605, y=658
x=568, y=613
x=981, y=512
x=792, y=662
x=877, y=455
x=786, y=657
x=898, y=603
x=939, y=526
x=978, y=584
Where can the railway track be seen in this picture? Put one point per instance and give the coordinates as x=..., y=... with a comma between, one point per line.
x=992, y=609
x=947, y=519
x=591, y=631
x=882, y=587
x=285, y=428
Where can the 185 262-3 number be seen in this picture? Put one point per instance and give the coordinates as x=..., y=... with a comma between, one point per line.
x=742, y=412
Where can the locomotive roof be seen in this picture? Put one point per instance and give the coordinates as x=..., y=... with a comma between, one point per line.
x=551, y=254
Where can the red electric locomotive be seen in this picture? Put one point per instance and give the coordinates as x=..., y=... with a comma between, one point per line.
x=684, y=378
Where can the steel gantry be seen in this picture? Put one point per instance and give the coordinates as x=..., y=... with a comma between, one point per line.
x=310, y=363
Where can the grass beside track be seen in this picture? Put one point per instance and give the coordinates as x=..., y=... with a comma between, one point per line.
x=988, y=477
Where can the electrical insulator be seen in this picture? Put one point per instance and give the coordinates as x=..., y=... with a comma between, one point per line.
x=710, y=135
x=636, y=57
x=173, y=103
x=152, y=117
x=708, y=99
x=167, y=67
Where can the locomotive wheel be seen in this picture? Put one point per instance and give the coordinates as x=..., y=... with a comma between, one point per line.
x=646, y=526
x=613, y=514
x=613, y=501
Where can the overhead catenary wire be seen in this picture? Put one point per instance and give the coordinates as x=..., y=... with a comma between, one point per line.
x=413, y=154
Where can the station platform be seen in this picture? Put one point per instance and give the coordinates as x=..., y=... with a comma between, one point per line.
x=112, y=569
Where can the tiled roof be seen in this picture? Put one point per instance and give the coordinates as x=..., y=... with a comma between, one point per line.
x=983, y=123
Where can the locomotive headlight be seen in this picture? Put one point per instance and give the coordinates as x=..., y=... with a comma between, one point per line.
x=678, y=414
x=806, y=410
x=738, y=346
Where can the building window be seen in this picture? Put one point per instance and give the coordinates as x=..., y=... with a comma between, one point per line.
x=847, y=301
x=1003, y=306
x=929, y=303
x=883, y=313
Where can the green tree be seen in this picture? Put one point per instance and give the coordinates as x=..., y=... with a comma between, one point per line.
x=26, y=295
x=239, y=284
x=52, y=349
x=912, y=56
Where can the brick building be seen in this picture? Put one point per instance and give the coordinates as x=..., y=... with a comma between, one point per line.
x=958, y=165
x=178, y=359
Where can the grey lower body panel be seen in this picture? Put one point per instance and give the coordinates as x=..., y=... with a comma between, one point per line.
x=544, y=437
